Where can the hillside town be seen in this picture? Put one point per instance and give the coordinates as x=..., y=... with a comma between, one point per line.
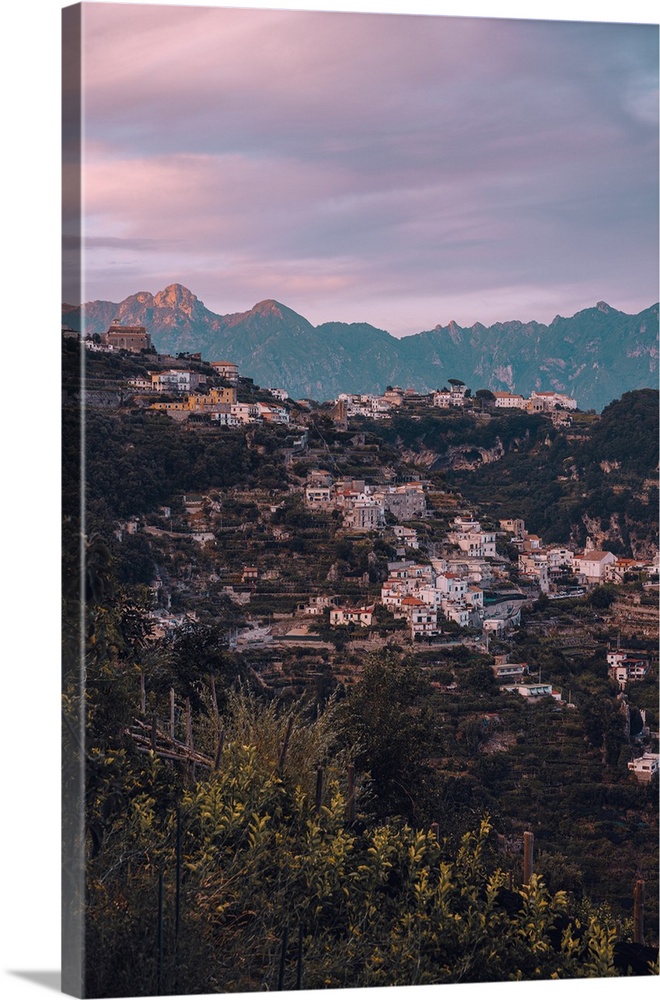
x=438, y=609
x=468, y=583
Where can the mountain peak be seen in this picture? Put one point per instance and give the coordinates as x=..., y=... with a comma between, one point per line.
x=603, y=307
x=176, y=296
x=269, y=307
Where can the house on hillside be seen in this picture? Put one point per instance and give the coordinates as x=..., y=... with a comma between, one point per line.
x=226, y=370
x=591, y=565
x=509, y=400
x=407, y=536
x=534, y=692
x=352, y=616
x=644, y=767
x=624, y=666
x=422, y=619
x=509, y=671
x=127, y=338
x=514, y=526
x=549, y=400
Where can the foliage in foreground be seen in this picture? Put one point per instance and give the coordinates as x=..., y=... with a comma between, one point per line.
x=270, y=885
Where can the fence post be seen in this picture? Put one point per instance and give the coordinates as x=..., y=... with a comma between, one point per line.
x=159, y=959
x=638, y=917
x=435, y=832
x=280, y=978
x=528, y=857
x=177, y=895
x=172, y=713
x=350, y=801
x=301, y=932
x=285, y=745
x=319, y=789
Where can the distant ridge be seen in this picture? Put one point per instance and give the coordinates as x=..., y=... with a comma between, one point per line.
x=595, y=355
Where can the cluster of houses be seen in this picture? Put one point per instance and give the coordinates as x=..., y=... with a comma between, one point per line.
x=221, y=405
x=449, y=588
x=120, y=337
x=364, y=507
x=626, y=665
x=545, y=565
x=458, y=394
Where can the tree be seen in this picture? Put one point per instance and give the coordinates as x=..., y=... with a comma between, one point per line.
x=602, y=597
x=485, y=396
x=604, y=726
x=199, y=654
x=386, y=714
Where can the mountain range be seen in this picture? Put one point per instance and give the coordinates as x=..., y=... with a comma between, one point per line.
x=595, y=355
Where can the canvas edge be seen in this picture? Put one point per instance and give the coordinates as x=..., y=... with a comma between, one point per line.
x=73, y=730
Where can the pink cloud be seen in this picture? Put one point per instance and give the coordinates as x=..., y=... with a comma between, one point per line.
x=360, y=159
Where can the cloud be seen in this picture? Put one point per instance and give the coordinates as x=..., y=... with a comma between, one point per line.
x=334, y=158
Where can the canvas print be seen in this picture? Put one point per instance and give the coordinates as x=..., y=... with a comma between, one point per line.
x=360, y=500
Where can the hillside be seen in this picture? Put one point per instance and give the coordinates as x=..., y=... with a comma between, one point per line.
x=281, y=783
x=596, y=355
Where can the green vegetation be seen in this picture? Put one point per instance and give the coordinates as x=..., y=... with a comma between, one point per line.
x=553, y=477
x=348, y=815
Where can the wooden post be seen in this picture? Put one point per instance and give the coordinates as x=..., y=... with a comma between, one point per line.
x=280, y=978
x=214, y=699
x=219, y=749
x=172, y=713
x=435, y=832
x=153, y=734
x=177, y=892
x=528, y=857
x=638, y=917
x=189, y=734
x=190, y=764
x=350, y=800
x=159, y=954
x=319, y=789
x=301, y=932
x=285, y=745
x=143, y=695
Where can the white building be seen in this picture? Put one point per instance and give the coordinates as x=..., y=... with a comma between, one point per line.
x=451, y=586
x=560, y=560
x=534, y=692
x=423, y=620
x=549, y=400
x=644, y=767
x=509, y=400
x=246, y=413
x=364, y=515
x=352, y=616
x=456, y=612
x=226, y=370
x=318, y=495
x=272, y=414
x=408, y=536
x=175, y=380
x=592, y=564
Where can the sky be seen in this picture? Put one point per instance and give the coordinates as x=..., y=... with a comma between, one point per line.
x=398, y=170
